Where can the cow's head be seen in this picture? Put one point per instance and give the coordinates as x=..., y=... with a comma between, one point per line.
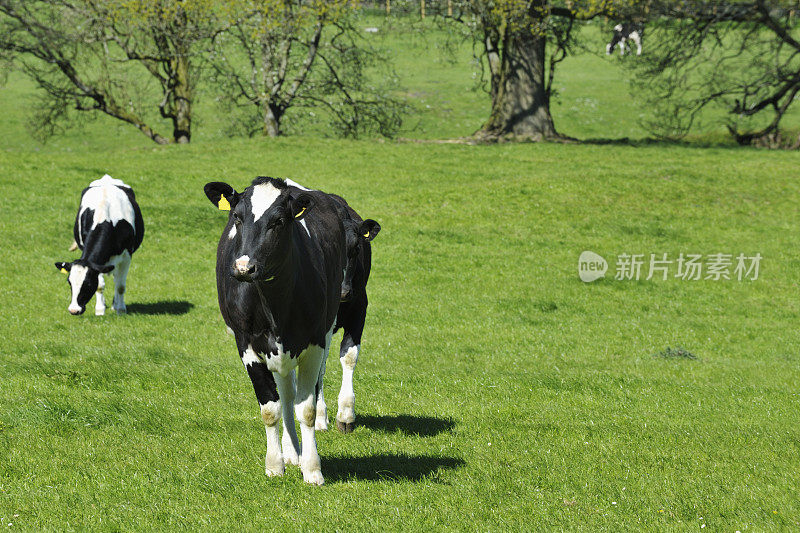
x=262, y=217
x=83, y=279
x=358, y=234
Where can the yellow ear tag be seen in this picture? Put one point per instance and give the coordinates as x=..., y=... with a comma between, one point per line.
x=64, y=271
x=366, y=235
x=223, y=204
x=300, y=213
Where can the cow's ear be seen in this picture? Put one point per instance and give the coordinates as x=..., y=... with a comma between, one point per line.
x=301, y=205
x=369, y=229
x=64, y=267
x=221, y=195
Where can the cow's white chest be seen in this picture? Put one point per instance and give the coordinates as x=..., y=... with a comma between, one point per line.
x=280, y=361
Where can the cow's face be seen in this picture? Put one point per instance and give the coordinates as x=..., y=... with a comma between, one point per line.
x=357, y=237
x=83, y=278
x=262, y=217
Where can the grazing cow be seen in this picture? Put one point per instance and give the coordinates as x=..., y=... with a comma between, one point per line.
x=280, y=264
x=352, y=310
x=623, y=32
x=108, y=229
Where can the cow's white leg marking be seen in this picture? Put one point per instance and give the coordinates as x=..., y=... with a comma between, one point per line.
x=289, y=442
x=100, y=302
x=622, y=46
x=120, y=276
x=273, y=462
x=321, y=422
x=250, y=357
x=638, y=40
x=347, y=397
x=305, y=410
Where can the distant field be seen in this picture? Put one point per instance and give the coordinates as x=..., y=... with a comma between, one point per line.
x=495, y=391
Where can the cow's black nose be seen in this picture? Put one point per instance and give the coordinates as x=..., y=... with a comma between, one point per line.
x=345, y=296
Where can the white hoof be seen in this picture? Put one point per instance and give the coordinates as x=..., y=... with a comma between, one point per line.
x=274, y=468
x=99, y=312
x=314, y=477
x=321, y=423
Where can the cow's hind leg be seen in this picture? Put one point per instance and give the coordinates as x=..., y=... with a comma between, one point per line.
x=270, y=404
x=120, y=277
x=289, y=442
x=321, y=422
x=100, y=302
x=305, y=410
x=348, y=357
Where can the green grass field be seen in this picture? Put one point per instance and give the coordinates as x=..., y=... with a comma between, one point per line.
x=495, y=390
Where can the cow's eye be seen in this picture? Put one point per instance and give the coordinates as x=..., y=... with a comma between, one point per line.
x=237, y=219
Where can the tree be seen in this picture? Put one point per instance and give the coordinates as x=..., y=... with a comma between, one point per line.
x=741, y=58
x=99, y=55
x=276, y=55
x=521, y=43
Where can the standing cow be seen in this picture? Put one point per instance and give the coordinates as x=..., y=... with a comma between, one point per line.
x=280, y=265
x=108, y=229
x=352, y=310
x=623, y=32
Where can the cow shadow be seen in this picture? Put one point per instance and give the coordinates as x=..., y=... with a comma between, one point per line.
x=421, y=426
x=387, y=467
x=166, y=307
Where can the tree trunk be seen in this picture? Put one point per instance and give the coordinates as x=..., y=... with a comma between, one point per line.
x=272, y=121
x=520, y=106
x=182, y=112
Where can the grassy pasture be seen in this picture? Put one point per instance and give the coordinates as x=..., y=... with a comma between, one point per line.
x=496, y=391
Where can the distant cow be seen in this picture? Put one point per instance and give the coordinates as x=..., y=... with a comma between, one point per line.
x=108, y=229
x=623, y=32
x=352, y=310
x=280, y=265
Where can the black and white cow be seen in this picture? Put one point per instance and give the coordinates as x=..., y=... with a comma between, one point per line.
x=280, y=266
x=352, y=311
x=623, y=32
x=108, y=229
x=353, y=307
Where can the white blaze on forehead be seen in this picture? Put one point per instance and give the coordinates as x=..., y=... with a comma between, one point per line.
x=264, y=195
x=77, y=275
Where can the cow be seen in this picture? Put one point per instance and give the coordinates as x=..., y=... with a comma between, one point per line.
x=623, y=32
x=280, y=265
x=352, y=311
x=108, y=230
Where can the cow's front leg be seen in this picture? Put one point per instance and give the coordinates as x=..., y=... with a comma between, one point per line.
x=100, y=301
x=622, y=47
x=270, y=404
x=305, y=410
x=120, y=277
x=289, y=442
